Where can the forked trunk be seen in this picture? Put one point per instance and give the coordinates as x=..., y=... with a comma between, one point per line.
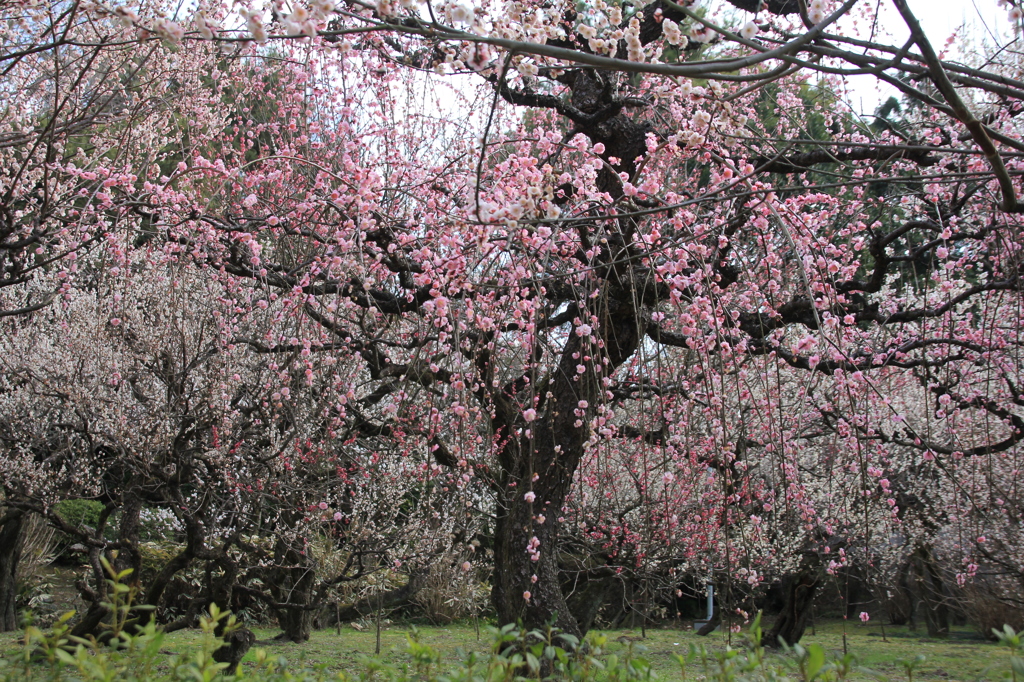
x=540, y=458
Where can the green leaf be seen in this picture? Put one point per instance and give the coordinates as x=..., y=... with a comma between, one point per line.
x=572, y=640
x=815, y=660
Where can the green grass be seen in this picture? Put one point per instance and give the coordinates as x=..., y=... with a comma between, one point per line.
x=965, y=656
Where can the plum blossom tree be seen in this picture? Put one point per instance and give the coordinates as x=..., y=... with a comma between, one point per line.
x=638, y=275
x=156, y=408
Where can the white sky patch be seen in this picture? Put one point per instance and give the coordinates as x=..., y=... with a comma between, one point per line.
x=975, y=23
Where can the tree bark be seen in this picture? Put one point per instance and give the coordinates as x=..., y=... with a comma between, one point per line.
x=236, y=644
x=293, y=583
x=527, y=585
x=799, y=595
x=586, y=603
x=128, y=555
x=179, y=563
x=541, y=457
x=89, y=625
x=711, y=625
x=11, y=539
x=932, y=591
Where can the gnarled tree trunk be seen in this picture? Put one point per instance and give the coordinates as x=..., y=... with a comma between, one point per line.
x=932, y=591
x=538, y=463
x=799, y=590
x=293, y=584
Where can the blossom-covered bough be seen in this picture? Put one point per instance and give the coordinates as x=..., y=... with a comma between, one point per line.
x=638, y=272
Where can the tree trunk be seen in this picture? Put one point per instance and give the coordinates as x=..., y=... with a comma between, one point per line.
x=162, y=579
x=128, y=556
x=799, y=592
x=933, y=594
x=711, y=625
x=293, y=584
x=296, y=624
x=220, y=591
x=541, y=457
x=516, y=596
x=11, y=537
x=536, y=473
x=91, y=624
x=586, y=603
x=235, y=645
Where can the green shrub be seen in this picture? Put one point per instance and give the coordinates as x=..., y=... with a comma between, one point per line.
x=80, y=512
x=84, y=514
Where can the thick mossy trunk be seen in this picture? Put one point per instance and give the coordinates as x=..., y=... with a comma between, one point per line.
x=11, y=538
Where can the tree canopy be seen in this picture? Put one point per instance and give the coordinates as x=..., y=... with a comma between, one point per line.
x=586, y=292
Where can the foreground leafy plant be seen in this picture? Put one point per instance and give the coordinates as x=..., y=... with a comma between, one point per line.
x=516, y=655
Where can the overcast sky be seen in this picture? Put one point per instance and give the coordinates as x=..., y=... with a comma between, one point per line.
x=974, y=21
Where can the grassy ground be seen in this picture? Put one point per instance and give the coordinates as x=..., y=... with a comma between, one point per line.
x=965, y=656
